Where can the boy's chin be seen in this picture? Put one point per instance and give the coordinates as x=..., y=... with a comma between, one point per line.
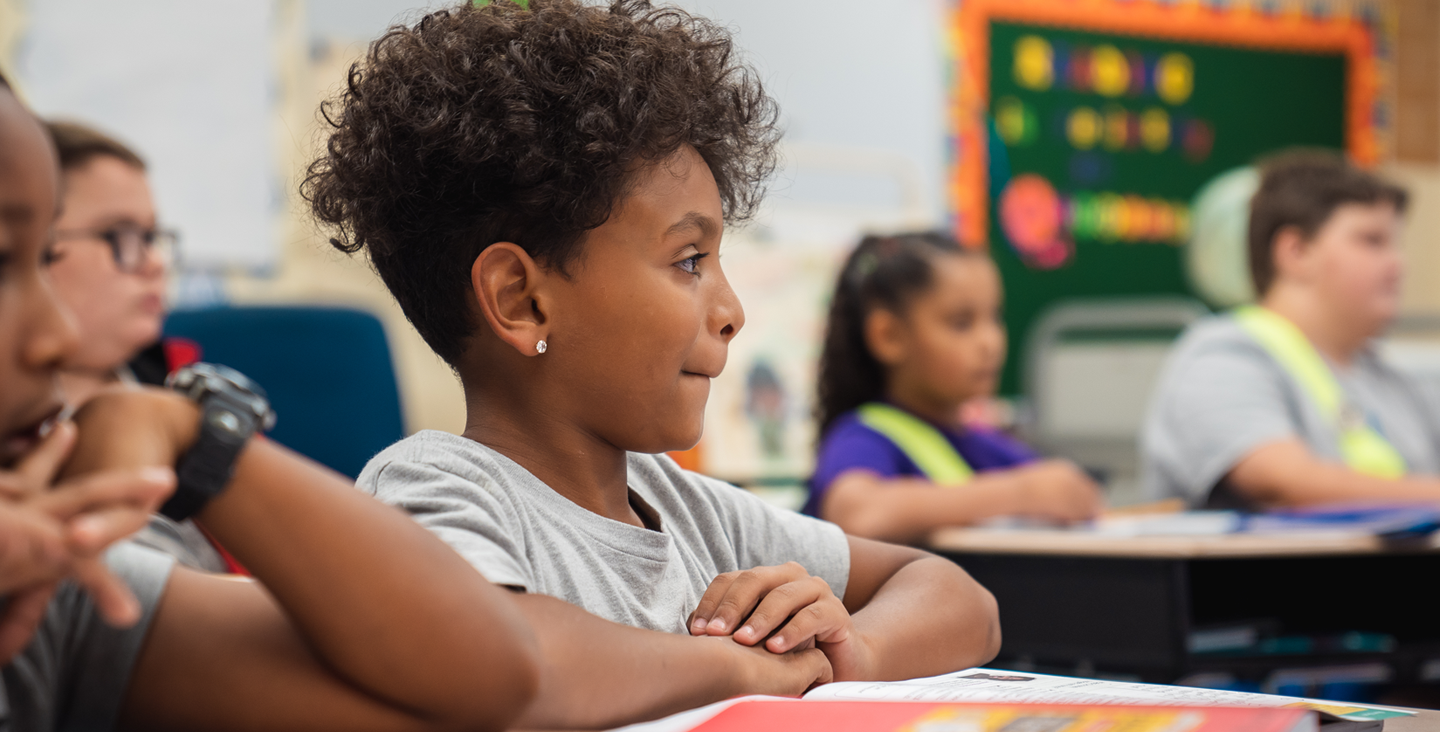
x=674, y=435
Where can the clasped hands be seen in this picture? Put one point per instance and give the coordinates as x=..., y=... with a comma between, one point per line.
x=54, y=528
x=784, y=609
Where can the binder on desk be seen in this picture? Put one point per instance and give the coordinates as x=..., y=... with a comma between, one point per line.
x=982, y=699
x=780, y=716
x=1397, y=522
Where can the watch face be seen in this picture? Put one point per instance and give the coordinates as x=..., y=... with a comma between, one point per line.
x=227, y=422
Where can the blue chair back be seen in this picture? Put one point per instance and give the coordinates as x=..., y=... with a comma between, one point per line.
x=327, y=371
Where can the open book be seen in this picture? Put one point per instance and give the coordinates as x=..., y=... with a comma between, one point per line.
x=986, y=685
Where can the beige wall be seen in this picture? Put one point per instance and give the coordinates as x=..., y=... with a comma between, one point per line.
x=1422, y=234
x=1421, y=241
x=311, y=271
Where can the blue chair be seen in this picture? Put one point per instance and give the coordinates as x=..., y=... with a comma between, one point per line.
x=327, y=371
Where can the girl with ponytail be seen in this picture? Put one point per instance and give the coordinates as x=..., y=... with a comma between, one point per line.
x=915, y=331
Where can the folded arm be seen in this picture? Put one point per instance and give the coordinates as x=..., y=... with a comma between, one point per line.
x=1287, y=473
x=917, y=614
x=908, y=509
x=905, y=613
x=361, y=619
x=597, y=674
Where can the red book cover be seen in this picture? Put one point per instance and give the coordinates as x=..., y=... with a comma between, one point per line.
x=781, y=716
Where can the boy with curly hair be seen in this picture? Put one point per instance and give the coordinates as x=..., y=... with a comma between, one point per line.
x=543, y=189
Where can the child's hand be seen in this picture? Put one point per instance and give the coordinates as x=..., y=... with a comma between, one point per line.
x=1057, y=489
x=787, y=608
x=758, y=671
x=51, y=531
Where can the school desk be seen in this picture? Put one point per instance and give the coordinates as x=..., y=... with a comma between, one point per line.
x=1425, y=720
x=1072, y=602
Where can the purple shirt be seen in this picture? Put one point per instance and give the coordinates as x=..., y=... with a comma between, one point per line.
x=850, y=444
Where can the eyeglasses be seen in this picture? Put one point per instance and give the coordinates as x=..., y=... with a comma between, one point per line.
x=130, y=244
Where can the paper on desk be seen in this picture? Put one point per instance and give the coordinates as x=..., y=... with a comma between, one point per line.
x=1187, y=523
x=992, y=685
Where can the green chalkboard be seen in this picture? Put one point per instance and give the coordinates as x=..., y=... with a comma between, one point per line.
x=1243, y=102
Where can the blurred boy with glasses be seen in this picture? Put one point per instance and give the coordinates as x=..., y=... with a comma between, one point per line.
x=111, y=260
x=109, y=266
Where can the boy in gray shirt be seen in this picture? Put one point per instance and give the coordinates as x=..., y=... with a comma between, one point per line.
x=544, y=189
x=521, y=534
x=1286, y=402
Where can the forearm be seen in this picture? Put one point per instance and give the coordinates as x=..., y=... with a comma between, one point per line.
x=908, y=509
x=598, y=674
x=929, y=618
x=1286, y=473
x=385, y=604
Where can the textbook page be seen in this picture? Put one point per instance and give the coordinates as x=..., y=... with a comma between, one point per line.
x=994, y=685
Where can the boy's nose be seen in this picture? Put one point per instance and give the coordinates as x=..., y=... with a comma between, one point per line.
x=53, y=335
x=727, y=315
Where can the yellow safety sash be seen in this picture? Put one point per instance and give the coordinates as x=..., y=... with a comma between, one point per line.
x=920, y=441
x=1362, y=448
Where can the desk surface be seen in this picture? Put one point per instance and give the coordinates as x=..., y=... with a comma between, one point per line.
x=1425, y=720
x=1083, y=543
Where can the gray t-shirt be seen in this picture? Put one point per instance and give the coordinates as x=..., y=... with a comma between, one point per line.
x=76, y=670
x=1222, y=395
x=183, y=540
x=520, y=533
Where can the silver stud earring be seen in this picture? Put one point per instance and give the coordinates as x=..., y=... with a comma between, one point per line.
x=540, y=347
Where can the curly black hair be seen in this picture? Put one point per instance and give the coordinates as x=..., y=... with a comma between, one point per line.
x=524, y=124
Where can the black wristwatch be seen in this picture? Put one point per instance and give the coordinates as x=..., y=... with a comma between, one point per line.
x=232, y=409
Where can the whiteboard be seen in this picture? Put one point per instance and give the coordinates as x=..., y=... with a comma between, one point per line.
x=190, y=84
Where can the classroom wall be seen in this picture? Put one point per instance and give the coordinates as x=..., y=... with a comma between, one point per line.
x=862, y=85
x=1418, y=137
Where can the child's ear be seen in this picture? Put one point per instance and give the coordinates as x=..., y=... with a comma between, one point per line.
x=885, y=337
x=1288, y=253
x=509, y=288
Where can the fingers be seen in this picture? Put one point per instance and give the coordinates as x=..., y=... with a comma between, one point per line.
x=777, y=606
x=700, y=618
x=21, y=617
x=90, y=533
x=112, y=597
x=816, y=667
x=141, y=489
x=742, y=594
x=32, y=548
x=825, y=621
x=37, y=470
x=785, y=674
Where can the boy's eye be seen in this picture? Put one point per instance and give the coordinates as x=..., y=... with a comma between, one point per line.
x=962, y=321
x=691, y=264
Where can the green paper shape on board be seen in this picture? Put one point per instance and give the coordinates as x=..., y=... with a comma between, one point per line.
x=1254, y=100
x=524, y=4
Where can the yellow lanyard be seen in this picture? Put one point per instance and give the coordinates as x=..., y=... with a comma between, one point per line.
x=1362, y=448
x=920, y=441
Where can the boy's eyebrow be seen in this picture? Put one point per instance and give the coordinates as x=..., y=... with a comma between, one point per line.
x=694, y=220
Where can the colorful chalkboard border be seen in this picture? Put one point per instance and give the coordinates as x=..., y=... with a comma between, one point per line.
x=1335, y=26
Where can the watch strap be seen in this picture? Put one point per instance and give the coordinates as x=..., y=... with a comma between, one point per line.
x=206, y=468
